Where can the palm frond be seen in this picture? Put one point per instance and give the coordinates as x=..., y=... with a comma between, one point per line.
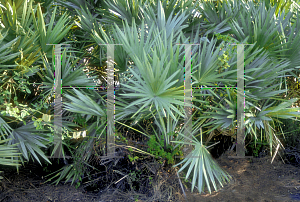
x=29, y=141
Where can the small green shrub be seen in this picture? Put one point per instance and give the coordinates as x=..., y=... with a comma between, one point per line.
x=159, y=149
x=256, y=146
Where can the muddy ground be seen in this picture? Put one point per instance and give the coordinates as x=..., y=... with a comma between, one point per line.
x=253, y=180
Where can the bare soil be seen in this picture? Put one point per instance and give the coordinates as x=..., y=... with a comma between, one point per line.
x=29, y=186
x=253, y=180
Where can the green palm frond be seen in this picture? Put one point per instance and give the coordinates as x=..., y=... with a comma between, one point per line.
x=205, y=66
x=29, y=141
x=135, y=41
x=262, y=73
x=72, y=74
x=202, y=166
x=214, y=18
x=290, y=34
x=148, y=63
x=122, y=114
x=17, y=20
x=165, y=20
x=263, y=28
x=174, y=7
x=216, y=14
x=6, y=53
x=149, y=86
x=84, y=105
x=283, y=110
x=224, y=117
x=103, y=37
x=8, y=153
x=5, y=129
x=54, y=33
x=166, y=125
x=87, y=20
x=118, y=11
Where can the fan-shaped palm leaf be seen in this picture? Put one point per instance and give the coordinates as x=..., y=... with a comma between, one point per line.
x=72, y=74
x=29, y=141
x=202, y=164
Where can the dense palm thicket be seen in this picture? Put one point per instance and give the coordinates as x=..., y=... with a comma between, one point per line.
x=149, y=75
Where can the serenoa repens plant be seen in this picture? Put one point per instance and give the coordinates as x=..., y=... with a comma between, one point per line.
x=200, y=166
